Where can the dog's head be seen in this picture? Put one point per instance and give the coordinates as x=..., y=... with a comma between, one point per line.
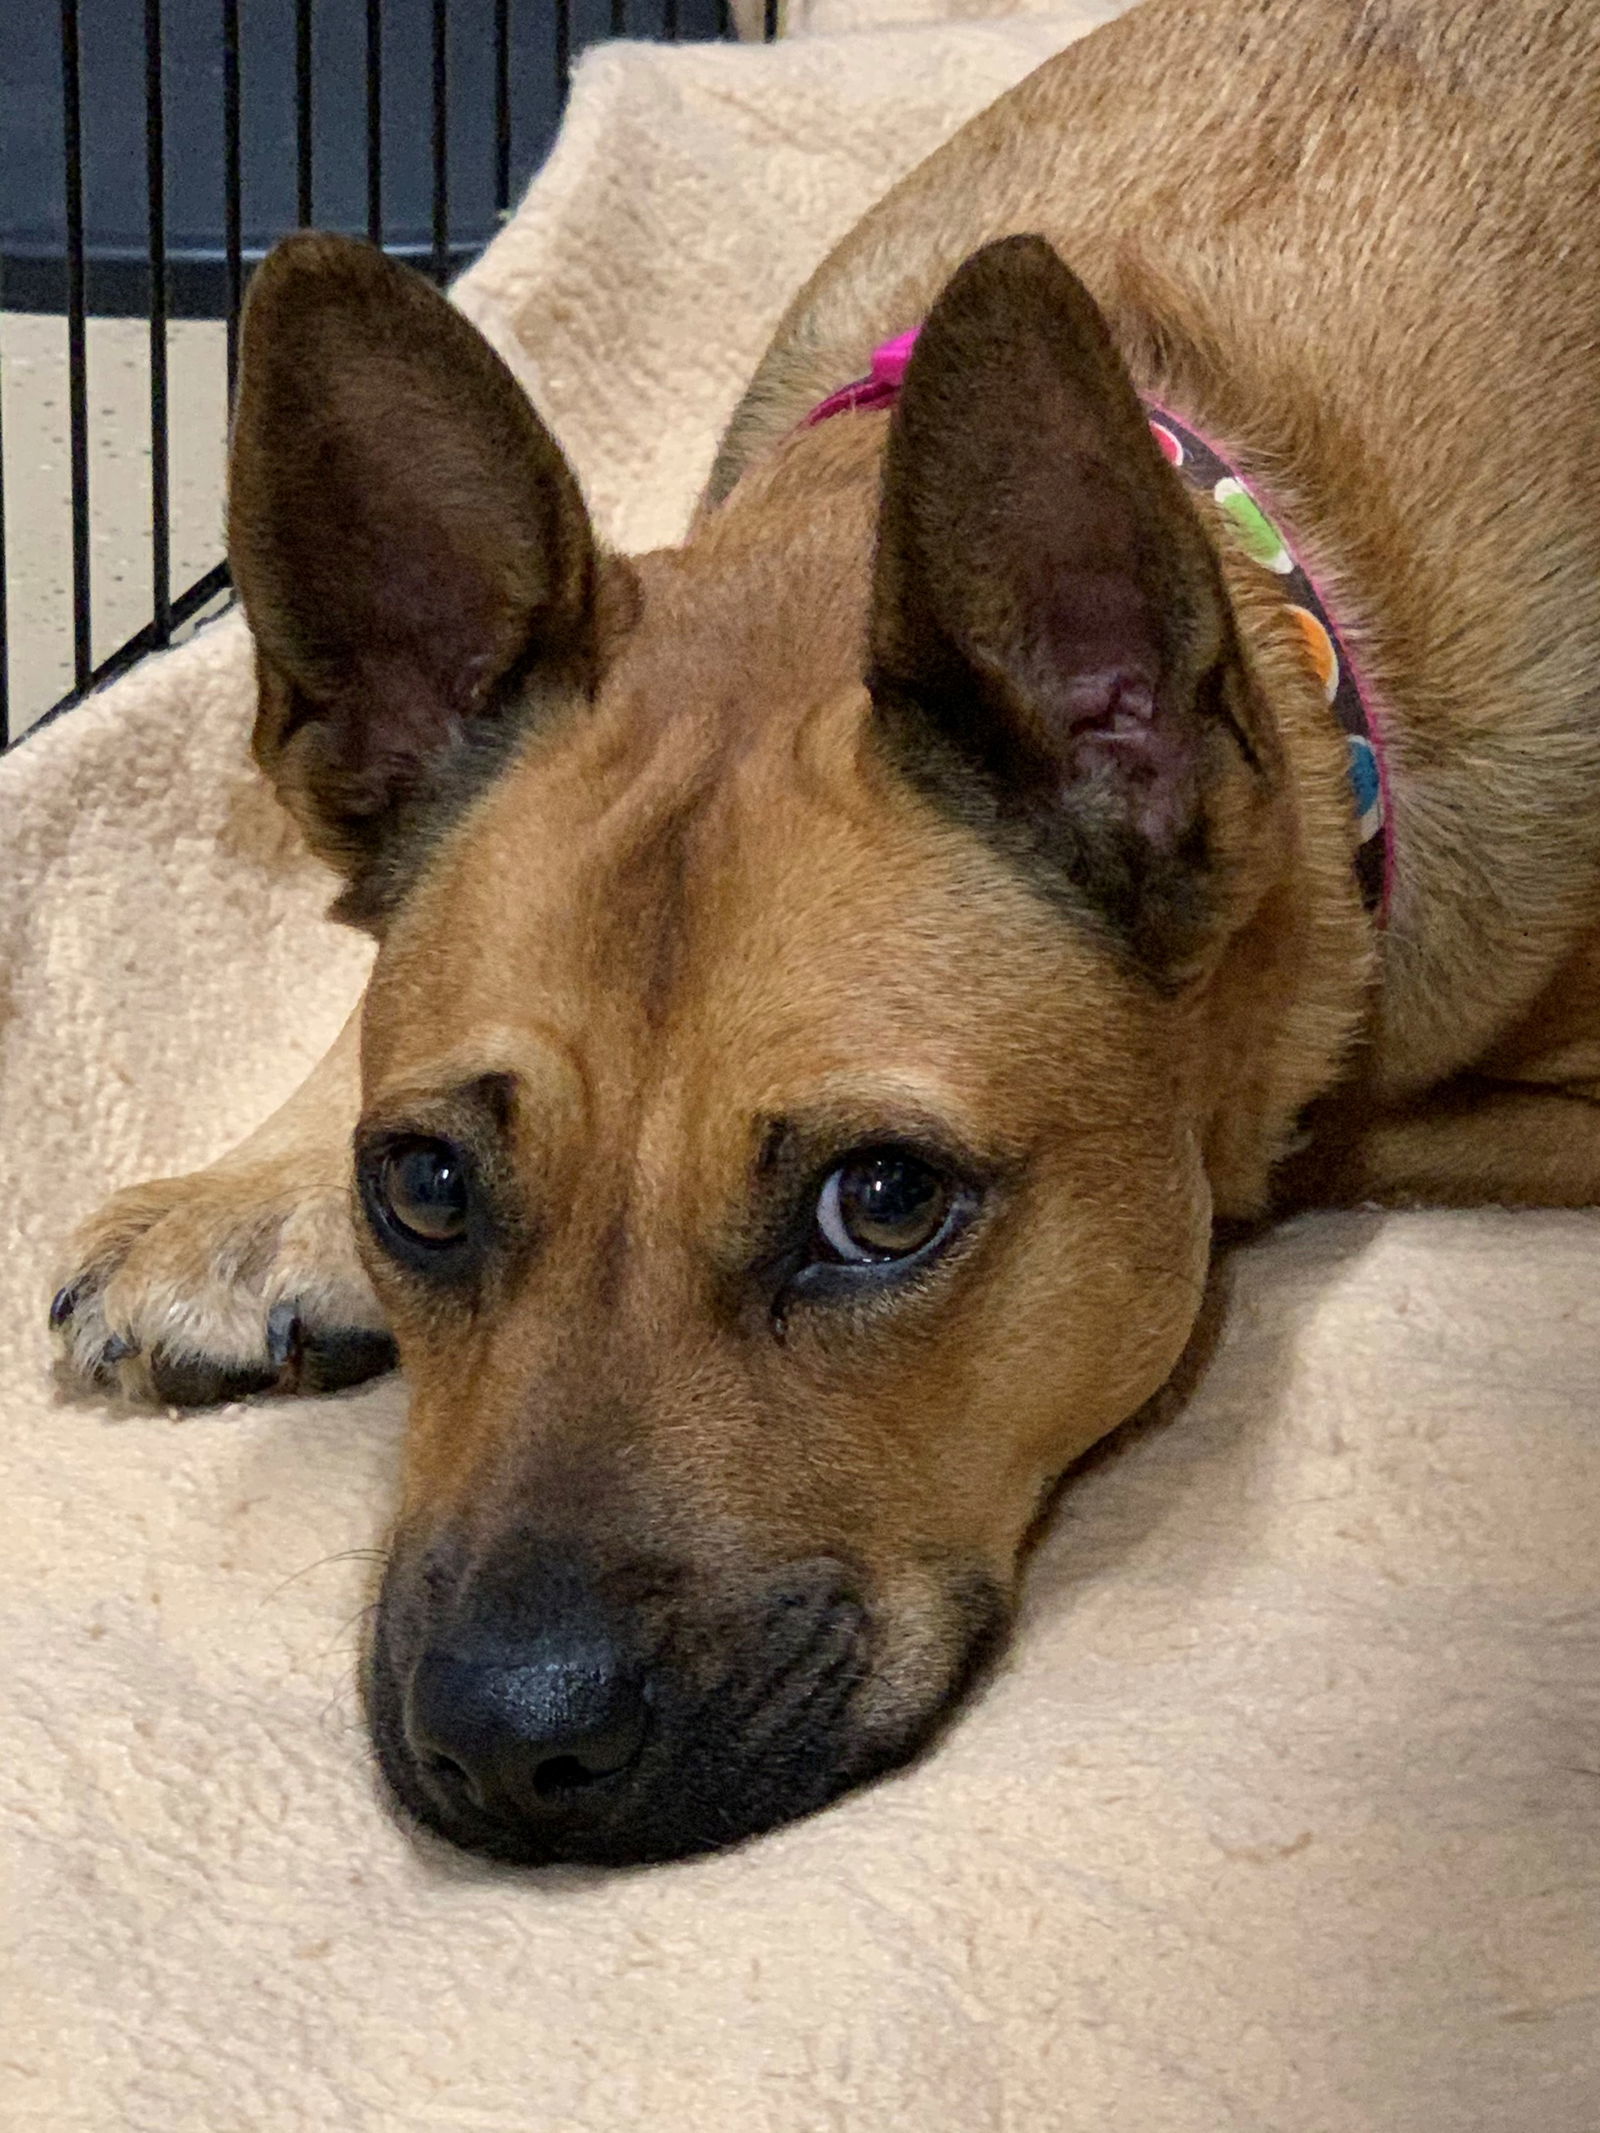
x=776, y=1161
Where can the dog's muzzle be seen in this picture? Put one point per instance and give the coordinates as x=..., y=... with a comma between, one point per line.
x=537, y=1714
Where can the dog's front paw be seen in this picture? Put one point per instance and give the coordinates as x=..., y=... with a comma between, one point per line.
x=232, y=1281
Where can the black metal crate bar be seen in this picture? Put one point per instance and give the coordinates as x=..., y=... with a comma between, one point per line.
x=155, y=150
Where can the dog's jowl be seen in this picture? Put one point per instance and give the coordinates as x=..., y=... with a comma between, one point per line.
x=1117, y=750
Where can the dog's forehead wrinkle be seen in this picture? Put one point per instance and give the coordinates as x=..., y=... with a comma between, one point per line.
x=507, y=1072
x=638, y=895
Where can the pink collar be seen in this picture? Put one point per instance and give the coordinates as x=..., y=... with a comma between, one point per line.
x=1206, y=468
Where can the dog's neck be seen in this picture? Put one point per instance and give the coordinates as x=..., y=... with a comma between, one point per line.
x=1259, y=535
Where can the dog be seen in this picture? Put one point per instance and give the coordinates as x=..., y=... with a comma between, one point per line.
x=836, y=976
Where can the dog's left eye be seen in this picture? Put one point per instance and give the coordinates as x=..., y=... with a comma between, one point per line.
x=882, y=1205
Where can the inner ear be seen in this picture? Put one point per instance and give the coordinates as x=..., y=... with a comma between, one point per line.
x=408, y=542
x=1051, y=647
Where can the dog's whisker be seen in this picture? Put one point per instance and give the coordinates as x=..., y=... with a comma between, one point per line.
x=344, y=1555
x=337, y=1644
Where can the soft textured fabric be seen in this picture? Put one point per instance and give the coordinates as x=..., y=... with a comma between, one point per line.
x=1284, y=1817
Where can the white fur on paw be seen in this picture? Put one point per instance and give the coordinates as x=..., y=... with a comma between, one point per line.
x=210, y=1287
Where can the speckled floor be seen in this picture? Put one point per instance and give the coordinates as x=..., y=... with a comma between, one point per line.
x=38, y=508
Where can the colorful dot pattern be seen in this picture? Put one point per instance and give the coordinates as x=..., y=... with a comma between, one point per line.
x=1261, y=539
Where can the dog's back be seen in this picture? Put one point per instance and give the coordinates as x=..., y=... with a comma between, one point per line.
x=1360, y=242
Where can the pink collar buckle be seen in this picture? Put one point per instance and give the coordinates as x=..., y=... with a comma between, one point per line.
x=880, y=388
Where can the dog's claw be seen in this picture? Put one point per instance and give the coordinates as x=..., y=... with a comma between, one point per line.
x=117, y=1350
x=283, y=1334
x=62, y=1305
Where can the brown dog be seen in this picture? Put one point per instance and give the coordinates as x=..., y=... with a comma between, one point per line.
x=834, y=974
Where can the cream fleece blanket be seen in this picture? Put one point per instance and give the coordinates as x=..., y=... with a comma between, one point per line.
x=1285, y=1815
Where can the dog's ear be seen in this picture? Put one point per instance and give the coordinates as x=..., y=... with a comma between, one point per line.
x=1050, y=641
x=410, y=547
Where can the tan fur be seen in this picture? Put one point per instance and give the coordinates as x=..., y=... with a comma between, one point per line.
x=1358, y=243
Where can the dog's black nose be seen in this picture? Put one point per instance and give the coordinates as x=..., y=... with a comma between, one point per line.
x=525, y=1734
x=530, y=1709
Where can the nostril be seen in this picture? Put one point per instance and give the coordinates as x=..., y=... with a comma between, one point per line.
x=446, y=1770
x=584, y=1755
x=453, y=1781
x=563, y=1774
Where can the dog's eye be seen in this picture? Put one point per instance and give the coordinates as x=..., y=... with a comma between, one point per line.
x=884, y=1204
x=422, y=1189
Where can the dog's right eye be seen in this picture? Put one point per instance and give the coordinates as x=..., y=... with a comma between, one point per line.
x=419, y=1190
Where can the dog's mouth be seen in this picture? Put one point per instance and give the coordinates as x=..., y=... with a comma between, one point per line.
x=563, y=1730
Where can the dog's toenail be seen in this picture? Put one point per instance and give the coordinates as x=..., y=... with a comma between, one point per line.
x=283, y=1334
x=117, y=1350
x=63, y=1304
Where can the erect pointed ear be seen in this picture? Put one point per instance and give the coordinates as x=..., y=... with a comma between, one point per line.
x=1050, y=647
x=410, y=547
